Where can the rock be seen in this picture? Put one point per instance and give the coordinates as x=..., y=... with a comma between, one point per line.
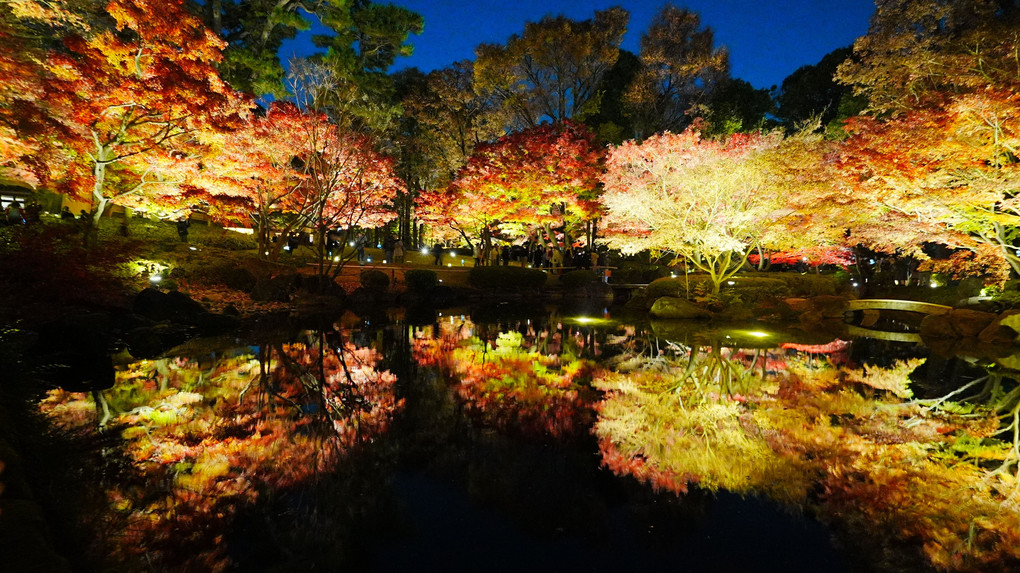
x=275, y=289
x=678, y=308
x=957, y=323
x=999, y=332
x=1011, y=319
x=970, y=323
x=149, y=303
x=937, y=327
x=212, y=323
x=829, y=306
x=174, y=306
x=183, y=305
x=996, y=334
x=798, y=304
x=1012, y=362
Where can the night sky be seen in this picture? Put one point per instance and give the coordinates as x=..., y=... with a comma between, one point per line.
x=767, y=39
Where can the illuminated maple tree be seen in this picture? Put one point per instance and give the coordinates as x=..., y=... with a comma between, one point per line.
x=708, y=202
x=544, y=176
x=252, y=174
x=349, y=183
x=20, y=93
x=938, y=161
x=129, y=100
x=925, y=176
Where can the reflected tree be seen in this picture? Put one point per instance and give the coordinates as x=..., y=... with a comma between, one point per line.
x=208, y=436
x=851, y=444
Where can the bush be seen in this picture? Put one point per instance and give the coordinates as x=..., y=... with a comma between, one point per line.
x=637, y=273
x=578, y=279
x=230, y=275
x=678, y=287
x=420, y=280
x=753, y=290
x=506, y=278
x=811, y=284
x=375, y=280
x=227, y=240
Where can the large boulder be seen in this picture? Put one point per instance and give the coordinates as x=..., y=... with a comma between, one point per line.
x=957, y=323
x=798, y=304
x=818, y=309
x=677, y=308
x=174, y=306
x=1011, y=320
x=275, y=289
x=1003, y=330
x=829, y=306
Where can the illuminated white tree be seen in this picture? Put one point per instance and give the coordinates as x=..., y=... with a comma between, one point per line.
x=706, y=201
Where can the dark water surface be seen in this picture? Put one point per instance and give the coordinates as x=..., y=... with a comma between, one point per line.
x=262, y=453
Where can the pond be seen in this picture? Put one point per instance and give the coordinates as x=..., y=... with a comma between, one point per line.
x=503, y=439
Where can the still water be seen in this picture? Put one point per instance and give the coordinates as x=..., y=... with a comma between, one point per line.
x=479, y=440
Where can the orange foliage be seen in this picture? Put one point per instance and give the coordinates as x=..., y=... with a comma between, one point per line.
x=205, y=441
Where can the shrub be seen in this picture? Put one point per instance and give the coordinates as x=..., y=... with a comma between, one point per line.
x=506, y=278
x=227, y=240
x=420, y=280
x=233, y=276
x=758, y=294
x=753, y=290
x=375, y=280
x=578, y=279
x=811, y=284
x=666, y=287
x=637, y=273
x=699, y=286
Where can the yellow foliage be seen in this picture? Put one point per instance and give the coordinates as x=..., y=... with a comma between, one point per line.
x=886, y=468
x=895, y=379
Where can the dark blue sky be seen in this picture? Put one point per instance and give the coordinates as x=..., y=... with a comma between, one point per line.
x=767, y=39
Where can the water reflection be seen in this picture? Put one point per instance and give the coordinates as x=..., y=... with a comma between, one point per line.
x=302, y=448
x=215, y=426
x=851, y=444
x=518, y=377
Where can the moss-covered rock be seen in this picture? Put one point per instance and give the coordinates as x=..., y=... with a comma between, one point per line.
x=677, y=308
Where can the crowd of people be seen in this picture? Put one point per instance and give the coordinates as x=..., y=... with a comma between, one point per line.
x=532, y=253
x=16, y=214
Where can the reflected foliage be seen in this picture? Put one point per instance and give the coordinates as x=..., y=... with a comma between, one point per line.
x=524, y=379
x=282, y=453
x=211, y=434
x=851, y=445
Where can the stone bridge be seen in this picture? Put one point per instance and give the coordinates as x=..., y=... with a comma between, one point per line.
x=892, y=304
